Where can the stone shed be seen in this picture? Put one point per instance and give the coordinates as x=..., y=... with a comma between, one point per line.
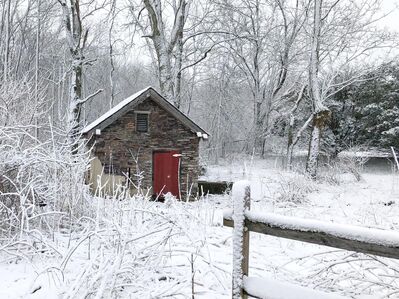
x=146, y=143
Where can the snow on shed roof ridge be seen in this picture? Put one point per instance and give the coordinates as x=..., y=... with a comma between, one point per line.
x=114, y=109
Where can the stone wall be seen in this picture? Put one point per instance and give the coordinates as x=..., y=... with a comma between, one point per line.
x=123, y=150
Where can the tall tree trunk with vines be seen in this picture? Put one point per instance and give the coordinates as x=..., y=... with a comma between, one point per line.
x=76, y=39
x=321, y=114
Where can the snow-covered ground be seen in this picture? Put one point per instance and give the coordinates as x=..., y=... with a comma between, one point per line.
x=150, y=250
x=372, y=202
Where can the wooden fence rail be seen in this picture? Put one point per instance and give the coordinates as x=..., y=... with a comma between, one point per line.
x=354, y=238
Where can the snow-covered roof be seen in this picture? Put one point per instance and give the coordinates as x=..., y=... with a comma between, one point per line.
x=136, y=98
x=113, y=110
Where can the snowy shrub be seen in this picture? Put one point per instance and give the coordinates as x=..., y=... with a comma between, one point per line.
x=331, y=174
x=354, y=161
x=119, y=246
x=19, y=105
x=355, y=273
x=41, y=185
x=89, y=246
x=294, y=188
x=137, y=248
x=351, y=163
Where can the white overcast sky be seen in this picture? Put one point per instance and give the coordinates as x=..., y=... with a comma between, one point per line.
x=392, y=20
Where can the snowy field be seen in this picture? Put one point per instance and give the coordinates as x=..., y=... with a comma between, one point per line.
x=139, y=249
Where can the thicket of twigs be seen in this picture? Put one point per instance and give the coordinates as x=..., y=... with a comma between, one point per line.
x=93, y=245
x=126, y=242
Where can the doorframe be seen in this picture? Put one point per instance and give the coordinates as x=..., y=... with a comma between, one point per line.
x=178, y=171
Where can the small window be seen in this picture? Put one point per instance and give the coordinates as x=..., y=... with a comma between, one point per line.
x=142, y=122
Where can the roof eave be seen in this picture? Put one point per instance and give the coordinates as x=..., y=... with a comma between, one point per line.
x=105, y=120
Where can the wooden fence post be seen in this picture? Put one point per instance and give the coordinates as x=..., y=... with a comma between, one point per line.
x=245, y=239
x=241, y=201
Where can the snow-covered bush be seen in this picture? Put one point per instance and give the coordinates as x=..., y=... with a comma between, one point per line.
x=42, y=188
x=293, y=188
x=371, y=276
x=351, y=162
x=136, y=247
x=122, y=245
x=19, y=104
x=331, y=174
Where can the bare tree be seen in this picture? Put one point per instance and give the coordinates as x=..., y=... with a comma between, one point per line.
x=341, y=34
x=37, y=63
x=76, y=38
x=321, y=113
x=265, y=50
x=112, y=16
x=292, y=139
x=167, y=43
x=7, y=28
x=179, y=35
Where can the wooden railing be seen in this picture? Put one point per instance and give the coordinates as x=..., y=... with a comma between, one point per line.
x=354, y=238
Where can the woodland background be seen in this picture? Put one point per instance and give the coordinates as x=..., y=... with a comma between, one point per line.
x=263, y=77
x=255, y=74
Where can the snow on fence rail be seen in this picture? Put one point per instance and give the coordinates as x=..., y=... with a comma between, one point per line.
x=354, y=238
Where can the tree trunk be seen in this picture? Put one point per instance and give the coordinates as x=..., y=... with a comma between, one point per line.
x=320, y=120
x=7, y=39
x=37, y=65
x=290, y=145
x=76, y=39
x=321, y=112
x=75, y=94
x=178, y=66
x=293, y=141
x=111, y=57
x=164, y=68
x=165, y=47
x=290, y=140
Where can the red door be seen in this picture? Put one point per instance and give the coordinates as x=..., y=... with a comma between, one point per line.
x=166, y=167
